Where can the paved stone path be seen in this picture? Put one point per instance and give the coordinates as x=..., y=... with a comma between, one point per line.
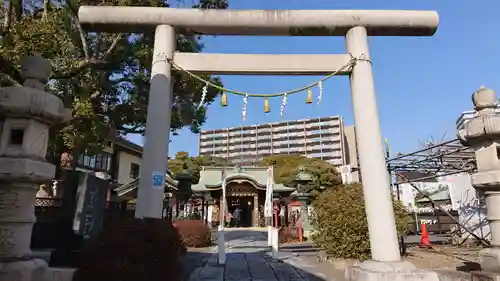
x=248, y=259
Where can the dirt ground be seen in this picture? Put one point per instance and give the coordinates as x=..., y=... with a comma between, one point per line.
x=445, y=257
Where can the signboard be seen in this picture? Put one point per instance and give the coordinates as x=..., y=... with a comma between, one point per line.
x=90, y=205
x=158, y=180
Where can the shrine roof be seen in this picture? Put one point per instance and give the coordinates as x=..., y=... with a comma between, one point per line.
x=211, y=178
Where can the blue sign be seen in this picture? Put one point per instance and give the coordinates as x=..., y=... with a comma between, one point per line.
x=158, y=180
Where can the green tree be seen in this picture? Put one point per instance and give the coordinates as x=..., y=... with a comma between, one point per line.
x=103, y=77
x=340, y=223
x=325, y=175
x=193, y=165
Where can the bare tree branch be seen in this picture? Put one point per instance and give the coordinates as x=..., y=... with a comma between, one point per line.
x=80, y=30
x=46, y=4
x=112, y=46
x=7, y=17
x=82, y=65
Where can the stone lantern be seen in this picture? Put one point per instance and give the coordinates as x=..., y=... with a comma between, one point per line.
x=302, y=179
x=483, y=133
x=26, y=114
x=185, y=180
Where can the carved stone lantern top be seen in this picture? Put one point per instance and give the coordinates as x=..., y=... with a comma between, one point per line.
x=31, y=100
x=483, y=134
x=35, y=68
x=485, y=100
x=302, y=178
x=486, y=125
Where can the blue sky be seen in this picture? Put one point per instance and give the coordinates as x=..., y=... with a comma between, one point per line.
x=422, y=83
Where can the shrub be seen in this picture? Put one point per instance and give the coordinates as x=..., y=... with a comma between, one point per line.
x=288, y=234
x=340, y=222
x=194, y=233
x=131, y=250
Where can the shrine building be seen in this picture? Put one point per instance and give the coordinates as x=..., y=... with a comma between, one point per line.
x=245, y=187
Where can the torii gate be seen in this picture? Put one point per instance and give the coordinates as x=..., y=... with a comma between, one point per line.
x=355, y=25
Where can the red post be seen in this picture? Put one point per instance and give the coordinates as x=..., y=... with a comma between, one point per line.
x=276, y=208
x=299, y=232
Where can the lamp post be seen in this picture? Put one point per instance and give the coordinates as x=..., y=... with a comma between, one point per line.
x=185, y=180
x=167, y=206
x=302, y=179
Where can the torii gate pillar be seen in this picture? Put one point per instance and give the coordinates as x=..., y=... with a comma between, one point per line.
x=355, y=25
x=151, y=190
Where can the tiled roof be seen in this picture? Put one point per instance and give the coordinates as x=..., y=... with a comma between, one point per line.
x=211, y=178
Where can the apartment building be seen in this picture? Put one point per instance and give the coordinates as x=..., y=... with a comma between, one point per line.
x=321, y=138
x=467, y=115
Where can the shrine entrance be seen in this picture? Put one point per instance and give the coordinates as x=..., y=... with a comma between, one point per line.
x=244, y=196
x=245, y=204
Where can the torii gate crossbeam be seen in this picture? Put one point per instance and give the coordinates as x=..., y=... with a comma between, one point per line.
x=355, y=25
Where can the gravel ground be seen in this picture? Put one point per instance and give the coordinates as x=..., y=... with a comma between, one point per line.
x=443, y=257
x=440, y=257
x=312, y=256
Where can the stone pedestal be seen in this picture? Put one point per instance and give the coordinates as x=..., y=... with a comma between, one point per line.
x=384, y=271
x=490, y=259
x=29, y=270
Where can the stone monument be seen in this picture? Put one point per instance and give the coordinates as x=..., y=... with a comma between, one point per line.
x=483, y=133
x=26, y=114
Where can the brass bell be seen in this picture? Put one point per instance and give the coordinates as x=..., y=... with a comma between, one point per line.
x=309, y=98
x=223, y=99
x=267, y=108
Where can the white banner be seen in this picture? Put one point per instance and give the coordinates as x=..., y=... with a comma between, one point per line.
x=268, y=203
x=223, y=204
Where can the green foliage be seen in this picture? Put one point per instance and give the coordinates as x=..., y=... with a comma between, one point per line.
x=102, y=77
x=325, y=175
x=133, y=249
x=193, y=164
x=340, y=222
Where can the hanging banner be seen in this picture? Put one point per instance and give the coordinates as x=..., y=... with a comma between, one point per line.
x=268, y=203
x=223, y=203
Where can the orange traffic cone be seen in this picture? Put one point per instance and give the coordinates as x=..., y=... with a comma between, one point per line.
x=424, y=238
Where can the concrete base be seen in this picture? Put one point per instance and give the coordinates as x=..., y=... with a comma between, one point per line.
x=484, y=276
x=490, y=259
x=307, y=233
x=383, y=271
x=59, y=274
x=30, y=270
x=452, y=275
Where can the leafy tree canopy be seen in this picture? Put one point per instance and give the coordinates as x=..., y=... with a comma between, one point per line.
x=325, y=175
x=193, y=164
x=103, y=77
